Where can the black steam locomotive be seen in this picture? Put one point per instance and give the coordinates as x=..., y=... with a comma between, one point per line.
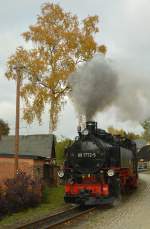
x=98, y=167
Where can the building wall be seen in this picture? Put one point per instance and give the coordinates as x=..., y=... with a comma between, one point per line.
x=56, y=179
x=7, y=167
x=43, y=170
x=38, y=169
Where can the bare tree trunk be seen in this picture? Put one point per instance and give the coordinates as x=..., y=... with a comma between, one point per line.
x=53, y=115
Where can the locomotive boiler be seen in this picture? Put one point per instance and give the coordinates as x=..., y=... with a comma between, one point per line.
x=98, y=167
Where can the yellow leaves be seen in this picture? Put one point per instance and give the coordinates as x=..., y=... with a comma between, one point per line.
x=36, y=64
x=52, y=10
x=90, y=24
x=114, y=131
x=20, y=58
x=72, y=40
x=102, y=49
x=60, y=42
x=38, y=34
x=123, y=133
x=36, y=104
x=28, y=115
x=27, y=90
x=88, y=47
x=26, y=35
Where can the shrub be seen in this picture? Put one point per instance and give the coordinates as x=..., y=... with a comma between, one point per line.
x=20, y=193
x=3, y=204
x=60, y=149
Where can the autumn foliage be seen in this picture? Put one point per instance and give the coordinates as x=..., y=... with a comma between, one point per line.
x=59, y=43
x=146, y=127
x=123, y=133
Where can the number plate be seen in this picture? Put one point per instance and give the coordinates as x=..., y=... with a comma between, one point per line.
x=86, y=155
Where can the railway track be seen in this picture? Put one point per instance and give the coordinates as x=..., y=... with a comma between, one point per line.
x=56, y=219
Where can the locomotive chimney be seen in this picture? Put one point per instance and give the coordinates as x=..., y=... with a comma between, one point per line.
x=91, y=126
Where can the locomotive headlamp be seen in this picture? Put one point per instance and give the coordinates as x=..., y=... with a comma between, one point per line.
x=60, y=173
x=111, y=172
x=71, y=181
x=85, y=132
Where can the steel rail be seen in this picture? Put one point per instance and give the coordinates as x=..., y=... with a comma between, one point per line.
x=56, y=219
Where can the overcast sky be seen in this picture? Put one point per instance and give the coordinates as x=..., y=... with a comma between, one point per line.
x=124, y=29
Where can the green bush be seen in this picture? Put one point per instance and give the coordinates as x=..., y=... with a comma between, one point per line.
x=60, y=148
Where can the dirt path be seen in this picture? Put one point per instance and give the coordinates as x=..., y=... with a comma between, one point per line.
x=132, y=213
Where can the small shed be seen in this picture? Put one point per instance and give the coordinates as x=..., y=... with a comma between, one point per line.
x=36, y=156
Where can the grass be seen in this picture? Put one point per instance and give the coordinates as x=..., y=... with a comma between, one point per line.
x=54, y=201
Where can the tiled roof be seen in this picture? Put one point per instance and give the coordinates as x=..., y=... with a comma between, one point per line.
x=30, y=145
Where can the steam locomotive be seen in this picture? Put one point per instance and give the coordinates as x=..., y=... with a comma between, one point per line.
x=98, y=167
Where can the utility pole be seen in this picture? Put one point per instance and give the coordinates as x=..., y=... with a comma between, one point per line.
x=17, y=125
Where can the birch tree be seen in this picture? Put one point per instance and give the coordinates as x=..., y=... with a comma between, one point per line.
x=59, y=42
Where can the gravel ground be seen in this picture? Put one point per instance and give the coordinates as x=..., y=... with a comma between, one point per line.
x=132, y=213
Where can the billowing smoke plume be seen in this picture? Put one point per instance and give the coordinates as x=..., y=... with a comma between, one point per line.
x=97, y=86
x=94, y=86
x=133, y=99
